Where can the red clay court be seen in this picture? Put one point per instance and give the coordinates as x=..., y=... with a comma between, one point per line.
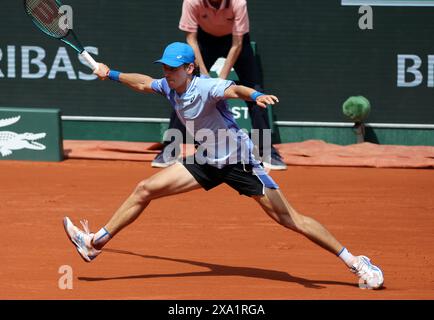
x=216, y=244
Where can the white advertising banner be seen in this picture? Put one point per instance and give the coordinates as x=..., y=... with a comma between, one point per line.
x=391, y=3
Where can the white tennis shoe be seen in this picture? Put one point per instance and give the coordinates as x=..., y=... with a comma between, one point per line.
x=370, y=276
x=82, y=240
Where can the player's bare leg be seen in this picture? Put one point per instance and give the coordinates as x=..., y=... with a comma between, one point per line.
x=172, y=180
x=278, y=208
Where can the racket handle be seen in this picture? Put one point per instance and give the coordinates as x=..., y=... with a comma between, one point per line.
x=92, y=63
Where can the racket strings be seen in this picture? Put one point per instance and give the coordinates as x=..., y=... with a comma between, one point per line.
x=45, y=13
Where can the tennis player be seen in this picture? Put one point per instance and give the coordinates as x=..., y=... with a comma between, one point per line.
x=202, y=102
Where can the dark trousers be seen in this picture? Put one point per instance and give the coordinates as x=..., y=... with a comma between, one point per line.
x=248, y=72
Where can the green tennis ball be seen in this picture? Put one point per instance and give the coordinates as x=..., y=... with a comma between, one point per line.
x=356, y=108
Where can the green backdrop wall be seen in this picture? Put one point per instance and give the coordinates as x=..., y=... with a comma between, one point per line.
x=313, y=54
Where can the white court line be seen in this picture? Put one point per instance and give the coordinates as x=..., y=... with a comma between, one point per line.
x=114, y=119
x=349, y=124
x=279, y=123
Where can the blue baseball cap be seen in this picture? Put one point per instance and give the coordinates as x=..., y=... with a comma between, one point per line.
x=176, y=54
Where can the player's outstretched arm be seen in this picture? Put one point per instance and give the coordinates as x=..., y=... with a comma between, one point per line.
x=136, y=81
x=248, y=94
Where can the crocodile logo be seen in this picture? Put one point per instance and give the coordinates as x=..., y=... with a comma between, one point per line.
x=17, y=141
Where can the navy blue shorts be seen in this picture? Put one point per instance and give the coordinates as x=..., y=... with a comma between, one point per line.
x=245, y=178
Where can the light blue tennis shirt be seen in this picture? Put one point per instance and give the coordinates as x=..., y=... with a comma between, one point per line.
x=205, y=113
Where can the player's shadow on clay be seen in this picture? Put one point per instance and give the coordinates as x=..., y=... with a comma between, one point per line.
x=219, y=270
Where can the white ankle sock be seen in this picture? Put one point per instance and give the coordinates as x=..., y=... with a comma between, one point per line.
x=101, y=238
x=346, y=257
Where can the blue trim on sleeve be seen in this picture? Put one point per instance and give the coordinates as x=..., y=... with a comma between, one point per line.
x=155, y=86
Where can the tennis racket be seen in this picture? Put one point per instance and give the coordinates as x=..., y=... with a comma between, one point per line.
x=46, y=16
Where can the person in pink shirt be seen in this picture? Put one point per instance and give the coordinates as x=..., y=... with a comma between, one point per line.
x=218, y=23
x=220, y=28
